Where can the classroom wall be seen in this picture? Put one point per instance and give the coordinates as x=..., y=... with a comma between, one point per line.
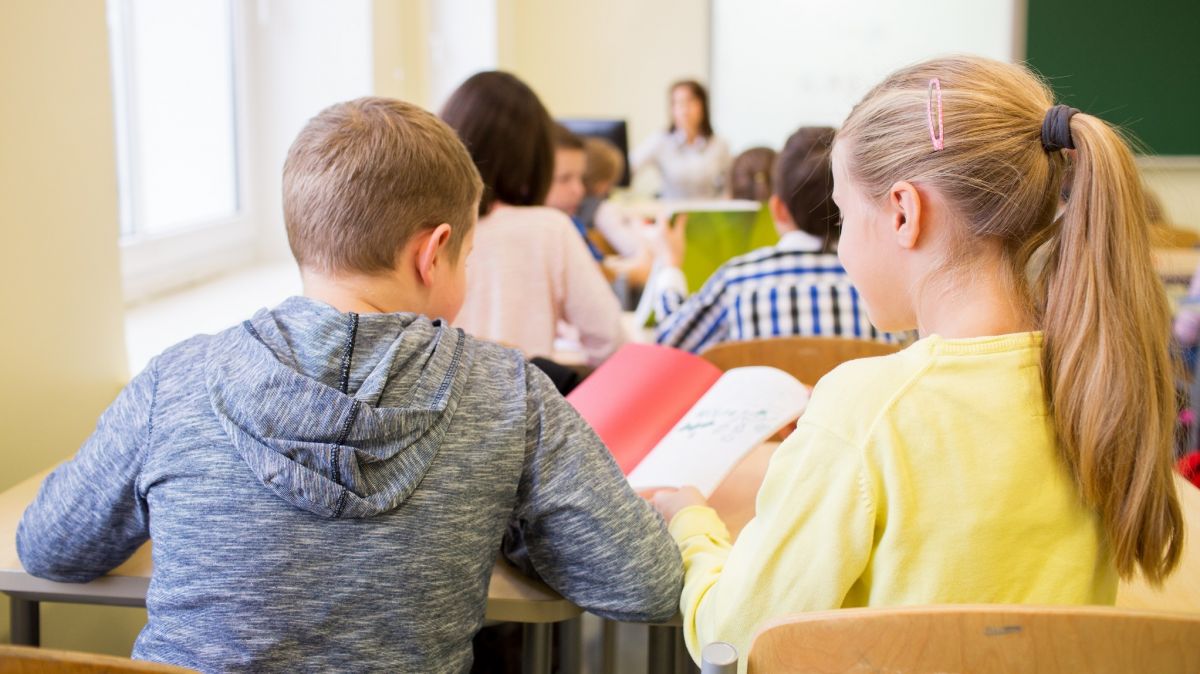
x=462, y=41
x=614, y=58
x=1176, y=181
x=400, y=49
x=63, y=342
x=304, y=56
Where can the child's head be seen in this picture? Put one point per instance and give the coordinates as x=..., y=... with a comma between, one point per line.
x=803, y=185
x=566, y=187
x=918, y=214
x=750, y=174
x=689, y=108
x=605, y=165
x=508, y=133
x=367, y=179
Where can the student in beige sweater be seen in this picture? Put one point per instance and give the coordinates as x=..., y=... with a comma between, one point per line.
x=530, y=269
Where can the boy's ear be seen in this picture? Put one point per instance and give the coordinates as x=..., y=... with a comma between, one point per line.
x=780, y=212
x=430, y=242
x=904, y=211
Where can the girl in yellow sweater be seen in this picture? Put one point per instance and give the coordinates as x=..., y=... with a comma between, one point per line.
x=1019, y=452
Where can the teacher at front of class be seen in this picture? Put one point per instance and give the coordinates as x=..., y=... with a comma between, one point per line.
x=692, y=161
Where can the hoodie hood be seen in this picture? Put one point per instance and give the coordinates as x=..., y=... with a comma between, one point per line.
x=338, y=414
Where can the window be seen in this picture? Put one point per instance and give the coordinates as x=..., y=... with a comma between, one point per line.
x=174, y=90
x=177, y=104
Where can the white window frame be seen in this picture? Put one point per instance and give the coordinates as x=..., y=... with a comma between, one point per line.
x=154, y=264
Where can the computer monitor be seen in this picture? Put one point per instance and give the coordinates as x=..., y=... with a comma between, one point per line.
x=612, y=130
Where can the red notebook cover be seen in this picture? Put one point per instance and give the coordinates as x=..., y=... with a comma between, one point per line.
x=638, y=395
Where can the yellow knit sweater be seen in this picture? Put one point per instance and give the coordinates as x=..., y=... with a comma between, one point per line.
x=931, y=476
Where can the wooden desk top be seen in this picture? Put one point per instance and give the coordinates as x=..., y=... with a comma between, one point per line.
x=514, y=597
x=511, y=595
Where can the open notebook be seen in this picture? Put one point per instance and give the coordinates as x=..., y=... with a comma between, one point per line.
x=671, y=418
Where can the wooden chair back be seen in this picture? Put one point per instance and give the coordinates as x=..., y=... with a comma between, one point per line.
x=805, y=358
x=982, y=639
x=27, y=660
x=1173, y=237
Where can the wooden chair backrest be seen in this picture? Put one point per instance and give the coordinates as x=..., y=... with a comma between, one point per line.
x=982, y=639
x=27, y=660
x=805, y=358
x=1173, y=237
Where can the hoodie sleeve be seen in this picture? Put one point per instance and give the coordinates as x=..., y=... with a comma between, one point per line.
x=89, y=515
x=585, y=531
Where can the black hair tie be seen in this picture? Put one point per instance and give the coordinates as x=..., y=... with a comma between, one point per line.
x=1056, y=128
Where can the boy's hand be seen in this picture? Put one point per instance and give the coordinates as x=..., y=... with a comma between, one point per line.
x=668, y=502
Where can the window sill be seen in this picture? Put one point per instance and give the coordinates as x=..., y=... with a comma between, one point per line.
x=151, y=327
x=154, y=265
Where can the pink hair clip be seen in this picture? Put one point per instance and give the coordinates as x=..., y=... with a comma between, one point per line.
x=939, y=139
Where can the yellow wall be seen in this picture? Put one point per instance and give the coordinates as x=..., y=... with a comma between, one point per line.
x=1176, y=181
x=401, y=49
x=62, y=344
x=612, y=58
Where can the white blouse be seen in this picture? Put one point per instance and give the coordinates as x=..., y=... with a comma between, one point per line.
x=696, y=170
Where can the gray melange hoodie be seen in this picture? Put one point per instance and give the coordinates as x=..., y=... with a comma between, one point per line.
x=328, y=492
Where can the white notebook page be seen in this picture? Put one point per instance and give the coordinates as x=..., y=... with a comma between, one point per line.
x=743, y=409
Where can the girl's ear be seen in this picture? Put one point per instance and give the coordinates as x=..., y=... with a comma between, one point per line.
x=904, y=209
x=780, y=212
x=429, y=243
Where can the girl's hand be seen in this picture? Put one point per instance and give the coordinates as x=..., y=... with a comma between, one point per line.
x=668, y=502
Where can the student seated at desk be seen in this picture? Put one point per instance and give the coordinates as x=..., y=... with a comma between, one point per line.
x=327, y=484
x=796, y=287
x=530, y=268
x=619, y=232
x=750, y=174
x=605, y=225
x=566, y=186
x=1020, y=452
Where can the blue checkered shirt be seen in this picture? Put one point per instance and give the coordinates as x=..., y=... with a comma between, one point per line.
x=782, y=290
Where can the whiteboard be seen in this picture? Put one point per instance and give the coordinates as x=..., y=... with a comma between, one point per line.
x=778, y=65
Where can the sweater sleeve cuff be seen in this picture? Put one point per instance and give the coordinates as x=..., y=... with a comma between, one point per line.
x=698, y=520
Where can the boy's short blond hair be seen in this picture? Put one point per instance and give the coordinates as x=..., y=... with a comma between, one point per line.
x=365, y=176
x=604, y=162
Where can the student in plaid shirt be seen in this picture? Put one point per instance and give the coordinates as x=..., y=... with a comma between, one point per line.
x=796, y=287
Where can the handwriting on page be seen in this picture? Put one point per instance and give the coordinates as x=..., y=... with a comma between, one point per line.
x=738, y=413
x=725, y=425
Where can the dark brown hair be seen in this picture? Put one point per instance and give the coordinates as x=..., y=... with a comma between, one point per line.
x=508, y=133
x=750, y=174
x=699, y=93
x=804, y=182
x=363, y=177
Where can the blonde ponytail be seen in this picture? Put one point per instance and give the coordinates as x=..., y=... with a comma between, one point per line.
x=1106, y=355
x=1107, y=369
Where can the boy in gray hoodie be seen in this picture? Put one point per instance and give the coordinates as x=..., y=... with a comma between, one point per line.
x=328, y=483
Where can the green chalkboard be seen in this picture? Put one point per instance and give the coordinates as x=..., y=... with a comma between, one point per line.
x=1133, y=64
